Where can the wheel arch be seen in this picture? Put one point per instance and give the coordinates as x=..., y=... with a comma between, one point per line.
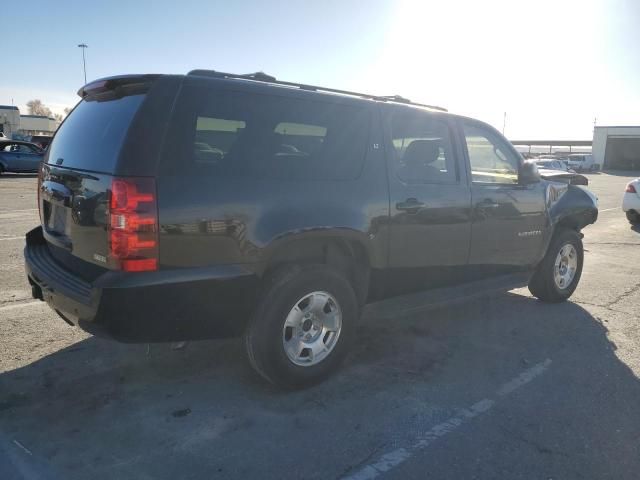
x=348, y=252
x=575, y=209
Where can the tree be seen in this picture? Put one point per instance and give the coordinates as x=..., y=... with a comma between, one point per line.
x=67, y=111
x=58, y=116
x=36, y=107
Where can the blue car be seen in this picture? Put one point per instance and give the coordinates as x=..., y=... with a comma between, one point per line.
x=20, y=157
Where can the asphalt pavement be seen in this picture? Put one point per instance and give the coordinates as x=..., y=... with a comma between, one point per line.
x=501, y=386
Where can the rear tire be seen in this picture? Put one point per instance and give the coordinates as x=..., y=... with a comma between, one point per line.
x=633, y=217
x=1, y=170
x=296, y=348
x=558, y=274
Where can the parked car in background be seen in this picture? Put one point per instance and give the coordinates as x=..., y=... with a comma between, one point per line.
x=582, y=162
x=631, y=202
x=19, y=157
x=557, y=171
x=553, y=164
x=178, y=207
x=42, y=141
x=3, y=136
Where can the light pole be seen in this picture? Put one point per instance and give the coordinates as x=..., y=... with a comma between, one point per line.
x=84, y=46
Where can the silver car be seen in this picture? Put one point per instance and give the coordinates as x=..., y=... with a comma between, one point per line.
x=18, y=156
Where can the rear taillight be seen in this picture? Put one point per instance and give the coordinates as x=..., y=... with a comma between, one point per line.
x=631, y=189
x=133, y=224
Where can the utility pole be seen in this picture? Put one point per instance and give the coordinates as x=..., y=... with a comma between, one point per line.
x=504, y=122
x=84, y=46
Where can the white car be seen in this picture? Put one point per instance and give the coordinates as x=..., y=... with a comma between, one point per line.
x=631, y=202
x=582, y=162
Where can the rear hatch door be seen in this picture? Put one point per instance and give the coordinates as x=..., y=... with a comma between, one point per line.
x=99, y=140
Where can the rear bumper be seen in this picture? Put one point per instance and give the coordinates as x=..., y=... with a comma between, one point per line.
x=166, y=305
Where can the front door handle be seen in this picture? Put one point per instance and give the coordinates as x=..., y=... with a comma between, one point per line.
x=411, y=205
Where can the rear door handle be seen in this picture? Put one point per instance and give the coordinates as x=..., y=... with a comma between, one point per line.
x=488, y=203
x=410, y=205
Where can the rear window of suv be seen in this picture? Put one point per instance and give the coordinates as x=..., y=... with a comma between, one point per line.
x=265, y=136
x=93, y=134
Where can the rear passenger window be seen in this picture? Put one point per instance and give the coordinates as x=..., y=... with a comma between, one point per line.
x=264, y=136
x=214, y=138
x=300, y=139
x=422, y=149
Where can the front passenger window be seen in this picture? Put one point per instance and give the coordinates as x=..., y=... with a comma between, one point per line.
x=491, y=159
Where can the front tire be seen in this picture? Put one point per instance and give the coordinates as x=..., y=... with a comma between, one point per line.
x=633, y=217
x=303, y=325
x=558, y=274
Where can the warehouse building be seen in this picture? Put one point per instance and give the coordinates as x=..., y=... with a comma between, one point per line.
x=9, y=120
x=37, y=125
x=617, y=148
x=14, y=125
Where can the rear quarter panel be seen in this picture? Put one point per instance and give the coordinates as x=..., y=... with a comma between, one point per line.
x=245, y=221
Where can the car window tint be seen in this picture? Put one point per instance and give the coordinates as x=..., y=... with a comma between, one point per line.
x=214, y=138
x=267, y=136
x=422, y=149
x=91, y=137
x=27, y=149
x=300, y=139
x=491, y=159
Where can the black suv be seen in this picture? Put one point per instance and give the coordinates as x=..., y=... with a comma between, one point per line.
x=177, y=207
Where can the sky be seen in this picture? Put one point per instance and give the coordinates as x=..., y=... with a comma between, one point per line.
x=554, y=66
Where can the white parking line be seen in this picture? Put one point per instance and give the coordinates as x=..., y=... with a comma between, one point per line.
x=392, y=459
x=18, y=216
x=6, y=210
x=21, y=237
x=609, y=209
x=20, y=305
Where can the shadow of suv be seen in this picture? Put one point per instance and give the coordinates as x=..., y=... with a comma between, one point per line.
x=206, y=205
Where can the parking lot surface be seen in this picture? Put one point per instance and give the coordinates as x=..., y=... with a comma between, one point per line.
x=501, y=386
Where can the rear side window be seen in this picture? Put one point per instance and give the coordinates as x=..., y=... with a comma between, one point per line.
x=264, y=136
x=93, y=134
x=19, y=148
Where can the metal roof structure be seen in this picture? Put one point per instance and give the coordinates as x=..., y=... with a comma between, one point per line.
x=553, y=143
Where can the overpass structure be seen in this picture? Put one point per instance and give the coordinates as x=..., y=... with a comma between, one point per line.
x=553, y=143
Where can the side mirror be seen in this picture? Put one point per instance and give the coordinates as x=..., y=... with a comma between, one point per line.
x=528, y=174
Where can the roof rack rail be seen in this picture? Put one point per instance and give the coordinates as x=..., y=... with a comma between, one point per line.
x=263, y=77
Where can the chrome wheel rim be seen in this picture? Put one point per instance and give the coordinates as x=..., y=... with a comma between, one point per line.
x=312, y=328
x=565, y=266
